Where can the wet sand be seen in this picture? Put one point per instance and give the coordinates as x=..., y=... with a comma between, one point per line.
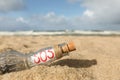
x=96, y=58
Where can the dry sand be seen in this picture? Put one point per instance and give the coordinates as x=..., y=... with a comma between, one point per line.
x=96, y=58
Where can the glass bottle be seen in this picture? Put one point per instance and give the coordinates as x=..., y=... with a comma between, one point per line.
x=15, y=61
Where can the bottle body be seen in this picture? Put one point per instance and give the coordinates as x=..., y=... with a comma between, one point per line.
x=12, y=61
x=42, y=56
x=47, y=55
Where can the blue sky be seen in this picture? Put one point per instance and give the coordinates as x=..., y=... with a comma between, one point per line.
x=59, y=14
x=60, y=7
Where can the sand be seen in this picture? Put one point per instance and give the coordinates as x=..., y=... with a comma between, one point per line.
x=96, y=58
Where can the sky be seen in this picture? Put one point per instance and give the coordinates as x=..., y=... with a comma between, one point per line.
x=20, y=15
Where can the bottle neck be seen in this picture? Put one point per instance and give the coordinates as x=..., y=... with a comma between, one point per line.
x=63, y=49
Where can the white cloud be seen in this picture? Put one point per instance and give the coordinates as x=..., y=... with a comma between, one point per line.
x=105, y=14
x=10, y=23
x=21, y=19
x=11, y=5
x=105, y=11
x=49, y=21
x=99, y=14
x=89, y=13
x=52, y=21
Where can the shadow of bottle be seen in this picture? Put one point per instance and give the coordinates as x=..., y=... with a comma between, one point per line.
x=76, y=63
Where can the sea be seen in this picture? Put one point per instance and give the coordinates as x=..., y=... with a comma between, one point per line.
x=61, y=32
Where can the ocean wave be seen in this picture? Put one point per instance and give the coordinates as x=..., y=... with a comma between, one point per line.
x=65, y=32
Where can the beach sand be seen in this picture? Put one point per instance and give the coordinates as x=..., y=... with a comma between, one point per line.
x=96, y=58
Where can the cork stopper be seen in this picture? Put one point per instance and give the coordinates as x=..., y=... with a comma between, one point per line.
x=71, y=46
x=68, y=47
x=64, y=48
